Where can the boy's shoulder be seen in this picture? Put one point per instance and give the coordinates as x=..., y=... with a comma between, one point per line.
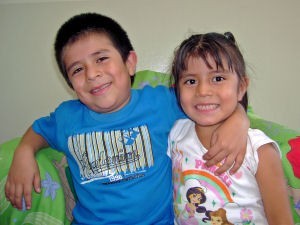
x=157, y=90
x=148, y=87
x=69, y=105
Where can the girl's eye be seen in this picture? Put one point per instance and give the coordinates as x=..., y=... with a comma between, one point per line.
x=218, y=79
x=190, y=82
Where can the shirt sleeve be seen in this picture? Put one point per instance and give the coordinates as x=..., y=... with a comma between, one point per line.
x=47, y=127
x=256, y=139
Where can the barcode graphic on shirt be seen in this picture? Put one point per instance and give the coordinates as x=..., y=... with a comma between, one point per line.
x=109, y=153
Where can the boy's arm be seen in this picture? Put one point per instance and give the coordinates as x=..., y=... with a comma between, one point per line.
x=229, y=142
x=272, y=186
x=24, y=171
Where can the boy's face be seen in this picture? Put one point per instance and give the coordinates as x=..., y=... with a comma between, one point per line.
x=97, y=72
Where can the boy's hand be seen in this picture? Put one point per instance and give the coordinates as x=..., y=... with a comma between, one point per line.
x=233, y=153
x=23, y=174
x=229, y=143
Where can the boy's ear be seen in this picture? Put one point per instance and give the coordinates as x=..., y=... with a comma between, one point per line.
x=243, y=86
x=131, y=62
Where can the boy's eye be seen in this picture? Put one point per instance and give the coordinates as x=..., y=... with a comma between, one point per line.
x=76, y=70
x=101, y=59
x=218, y=79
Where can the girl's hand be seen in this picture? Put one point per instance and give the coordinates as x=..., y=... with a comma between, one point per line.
x=228, y=143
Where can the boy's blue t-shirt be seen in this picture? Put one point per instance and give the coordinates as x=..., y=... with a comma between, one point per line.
x=119, y=163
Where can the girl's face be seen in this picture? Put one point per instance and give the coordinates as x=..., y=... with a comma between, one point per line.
x=97, y=72
x=207, y=95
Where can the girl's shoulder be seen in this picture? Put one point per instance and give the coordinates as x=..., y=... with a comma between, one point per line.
x=257, y=138
x=181, y=128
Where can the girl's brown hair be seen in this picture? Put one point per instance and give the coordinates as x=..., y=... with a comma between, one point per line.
x=218, y=46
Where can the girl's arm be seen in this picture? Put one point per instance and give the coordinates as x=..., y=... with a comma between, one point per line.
x=229, y=142
x=272, y=185
x=24, y=171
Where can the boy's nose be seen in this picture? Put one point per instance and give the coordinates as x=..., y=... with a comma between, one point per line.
x=92, y=73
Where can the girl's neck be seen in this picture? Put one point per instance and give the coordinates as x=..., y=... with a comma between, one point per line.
x=204, y=133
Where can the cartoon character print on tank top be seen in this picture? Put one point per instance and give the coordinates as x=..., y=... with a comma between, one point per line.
x=201, y=197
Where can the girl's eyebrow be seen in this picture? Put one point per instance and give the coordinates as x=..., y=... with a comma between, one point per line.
x=185, y=74
x=220, y=70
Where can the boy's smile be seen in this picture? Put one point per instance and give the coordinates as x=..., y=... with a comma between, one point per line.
x=99, y=76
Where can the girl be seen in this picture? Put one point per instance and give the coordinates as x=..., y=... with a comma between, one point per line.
x=210, y=80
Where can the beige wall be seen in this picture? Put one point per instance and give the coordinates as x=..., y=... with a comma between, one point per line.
x=267, y=31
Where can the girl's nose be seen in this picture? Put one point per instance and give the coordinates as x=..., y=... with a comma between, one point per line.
x=203, y=89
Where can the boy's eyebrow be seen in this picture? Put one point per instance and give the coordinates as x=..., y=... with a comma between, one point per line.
x=72, y=65
x=93, y=54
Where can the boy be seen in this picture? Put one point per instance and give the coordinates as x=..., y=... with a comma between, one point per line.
x=115, y=138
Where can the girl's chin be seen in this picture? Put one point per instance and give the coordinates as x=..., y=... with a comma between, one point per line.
x=207, y=123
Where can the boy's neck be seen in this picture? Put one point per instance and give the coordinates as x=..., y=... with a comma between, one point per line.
x=204, y=133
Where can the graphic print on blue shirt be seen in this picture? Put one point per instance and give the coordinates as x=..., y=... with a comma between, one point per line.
x=113, y=156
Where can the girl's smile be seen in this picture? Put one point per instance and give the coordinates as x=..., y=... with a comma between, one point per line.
x=206, y=108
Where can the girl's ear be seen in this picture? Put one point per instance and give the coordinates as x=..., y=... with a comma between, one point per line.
x=131, y=62
x=243, y=85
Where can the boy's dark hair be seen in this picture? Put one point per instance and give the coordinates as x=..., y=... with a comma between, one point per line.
x=83, y=24
x=210, y=44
